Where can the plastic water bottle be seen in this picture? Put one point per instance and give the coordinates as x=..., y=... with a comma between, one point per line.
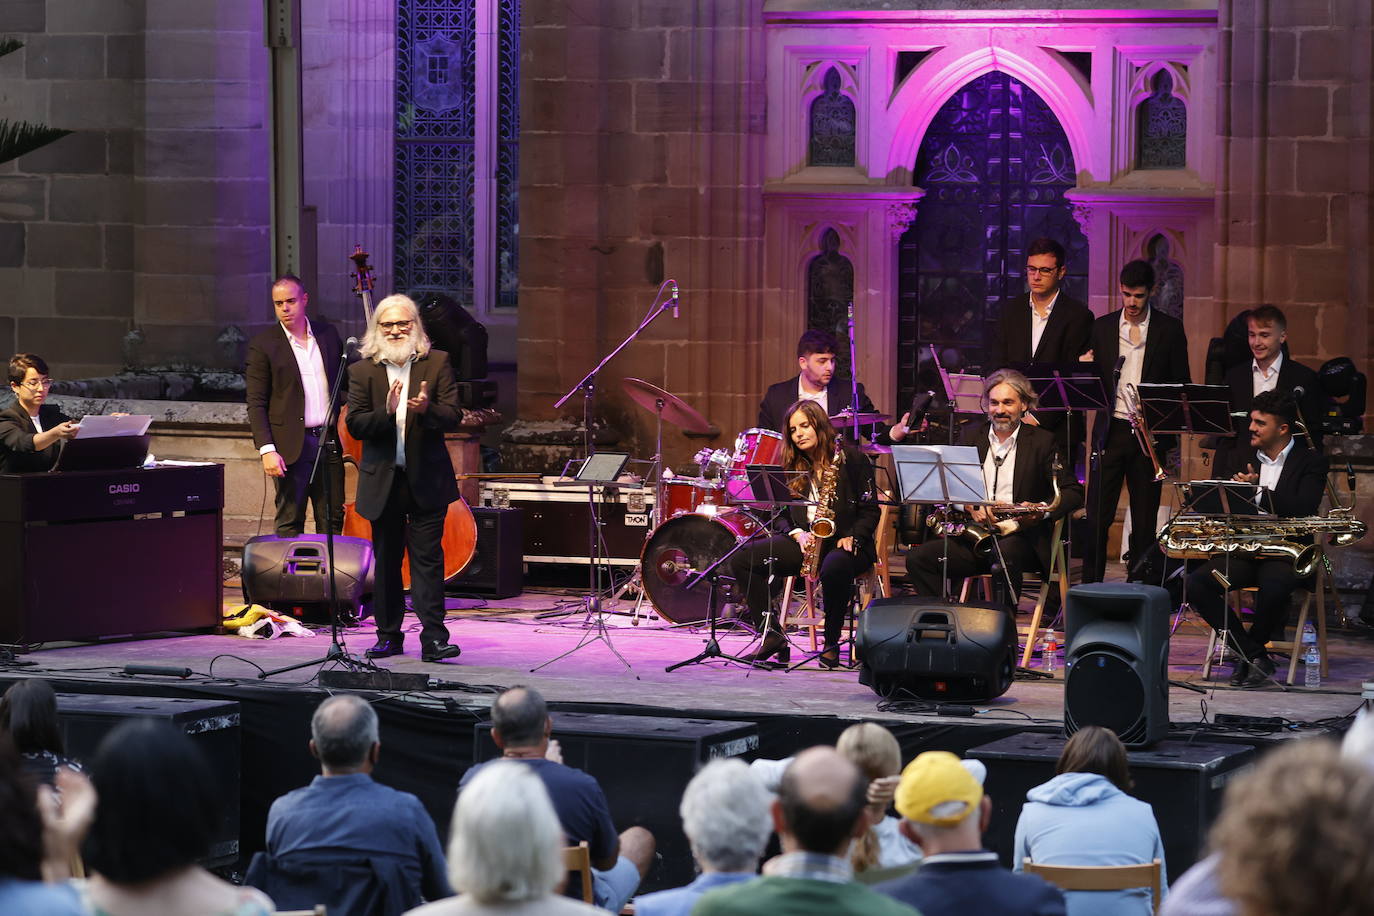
x=1311, y=658
x=1050, y=653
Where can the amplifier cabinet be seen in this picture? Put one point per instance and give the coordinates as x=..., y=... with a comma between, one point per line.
x=556, y=525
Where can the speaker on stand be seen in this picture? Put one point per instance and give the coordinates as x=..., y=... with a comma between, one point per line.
x=1116, y=668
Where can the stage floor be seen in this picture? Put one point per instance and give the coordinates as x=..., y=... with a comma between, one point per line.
x=504, y=641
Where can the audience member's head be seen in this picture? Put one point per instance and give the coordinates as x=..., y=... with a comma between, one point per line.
x=942, y=803
x=1293, y=835
x=872, y=748
x=725, y=816
x=520, y=718
x=28, y=711
x=158, y=803
x=505, y=801
x=343, y=734
x=820, y=803
x=1358, y=744
x=21, y=827
x=1094, y=749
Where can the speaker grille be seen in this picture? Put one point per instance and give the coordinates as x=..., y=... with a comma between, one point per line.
x=1103, y=688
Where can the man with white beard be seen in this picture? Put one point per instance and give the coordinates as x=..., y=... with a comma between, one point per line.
x=401, y=401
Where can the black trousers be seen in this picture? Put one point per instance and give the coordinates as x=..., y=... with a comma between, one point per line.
x=295, y=488
x=404, y=525
x=924, y=562
x=1275, y=580
x=760, y=567
x=1122, y=460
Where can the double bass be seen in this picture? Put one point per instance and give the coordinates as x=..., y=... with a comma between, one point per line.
x=460, y=528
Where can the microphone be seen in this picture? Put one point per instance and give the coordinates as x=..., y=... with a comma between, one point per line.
x=350, y=345
x=673, y=285
x=1298, y=391
x=1120, y=364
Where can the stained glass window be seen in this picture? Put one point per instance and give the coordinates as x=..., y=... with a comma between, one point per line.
x=1162, y=127
x=832, y=125
x=829, y=290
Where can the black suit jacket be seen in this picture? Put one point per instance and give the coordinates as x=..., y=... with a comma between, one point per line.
x=1065, y=339
x=429, y=470
x=17, y=455
x=1165, y=363
x=1240, y=380
x=856, y=506
x=1032, y=483
x=1302, y=482
x=276, y=397
x=839, y=395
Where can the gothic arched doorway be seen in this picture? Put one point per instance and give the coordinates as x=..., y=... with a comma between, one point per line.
x=994, y=164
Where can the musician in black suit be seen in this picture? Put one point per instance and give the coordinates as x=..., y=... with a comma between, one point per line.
x=290, y=372
x=1295, y=477
x=1018, y=467
x=31, y=430
x=815, y=381
x=849, y=551
x=405, y=481
x=1132, y=345
x=1046, y=325
x=1270, y=369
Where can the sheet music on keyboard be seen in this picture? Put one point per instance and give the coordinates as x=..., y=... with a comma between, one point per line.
x=98, y=426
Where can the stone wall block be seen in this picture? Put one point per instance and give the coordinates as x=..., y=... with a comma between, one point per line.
x=205, y=153
x=99, y=16
x=190, y=202
x=7, y=344
x=23, y=198
x=99, y=293
x=233, y=104
x=634, y=159
x=1299, y=111
x=642, y=57
x=73, y=340
x=125, y=57
x=28, y=290
x=82, y=152
x=1298, y=13
x=669, y=211
x=198, y=250
x=178, y=15
x=1323, y=276
x=220, y=56
x=1296, y=219
x=1279, y=165
x=544, y=54
x=64, y=57
x=11, y=244
x=64, y=245
x=1323, y=55
x=92, y=199
x=612, y=14
x=576, y=106
x=87, y=104
x=1323, y=166
x=119, y=246
x=693, y=53
x=665, y=106
x=25, y=16
x=170, y=297
x=1281, y=62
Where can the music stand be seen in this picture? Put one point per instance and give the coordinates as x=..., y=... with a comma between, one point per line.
x=600, y=469
x=940, y=475
x=1194, y=410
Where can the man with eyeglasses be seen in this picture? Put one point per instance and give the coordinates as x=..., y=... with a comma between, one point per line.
x=290, y=372
x=31, y=430
x=401, y=401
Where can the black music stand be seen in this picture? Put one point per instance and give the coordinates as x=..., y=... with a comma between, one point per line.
x=1193, y=410
x=942, y=475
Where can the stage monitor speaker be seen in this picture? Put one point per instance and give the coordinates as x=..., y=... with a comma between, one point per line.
x=936, y=650
x=497, y=567
x=455, y=332
x=290, y=573
x=1116, y=669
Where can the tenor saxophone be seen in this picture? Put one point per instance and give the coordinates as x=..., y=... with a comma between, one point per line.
x=823, y=525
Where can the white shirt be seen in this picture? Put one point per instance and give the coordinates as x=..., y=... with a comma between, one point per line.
x=310, y=362
x=1271, y=468
x=1039, y=324
x=1135, y=359
x=396, y=373
x=37, y=426
x=820, y=397
x=997, y=479
x=1262, y=379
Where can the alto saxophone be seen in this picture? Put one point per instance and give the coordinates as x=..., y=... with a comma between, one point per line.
x=823, y=525
x=946, y=521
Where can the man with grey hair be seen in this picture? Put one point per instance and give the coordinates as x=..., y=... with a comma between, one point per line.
x=401, y=401
x=343, y=815
x=725, y=816
x=1018, y=467
x=522, y=729
x=819, y=812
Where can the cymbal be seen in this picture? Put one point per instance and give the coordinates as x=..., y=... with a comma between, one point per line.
x=675, y=410
x=873, y=450
x=846, y=417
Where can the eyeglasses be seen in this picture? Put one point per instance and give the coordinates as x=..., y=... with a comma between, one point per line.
x=1040, y=271
x=38, y=384
x=395, y=325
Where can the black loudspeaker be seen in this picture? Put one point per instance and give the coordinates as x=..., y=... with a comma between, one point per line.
x=290, y=573
x=497, y=568
x=1116, y=670
x=1182, y=781
x=936, y=649
x=457, y=333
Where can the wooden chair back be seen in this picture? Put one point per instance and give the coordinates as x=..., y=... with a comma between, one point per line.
x=579, y=859
x=1100, y=877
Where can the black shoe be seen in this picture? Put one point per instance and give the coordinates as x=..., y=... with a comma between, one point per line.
x=438, y=651
x=1261, y=670
x=830, y=658
x=386, y=647
x=1240, y=674
x=774, y=644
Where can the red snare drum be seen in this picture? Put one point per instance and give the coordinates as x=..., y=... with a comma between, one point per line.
x=753, y=446
x=688, y=494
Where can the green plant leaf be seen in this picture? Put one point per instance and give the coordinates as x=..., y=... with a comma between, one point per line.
x=7, y=45
x=20, y=137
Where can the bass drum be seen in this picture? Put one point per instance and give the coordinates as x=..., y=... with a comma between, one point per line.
x=679, y=549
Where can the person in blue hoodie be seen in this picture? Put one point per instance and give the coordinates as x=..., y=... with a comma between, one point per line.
x=1083, y=816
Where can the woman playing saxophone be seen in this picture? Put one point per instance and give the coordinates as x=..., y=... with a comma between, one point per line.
x=832, y=537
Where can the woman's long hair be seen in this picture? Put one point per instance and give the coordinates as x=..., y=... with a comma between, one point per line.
x=794, y=459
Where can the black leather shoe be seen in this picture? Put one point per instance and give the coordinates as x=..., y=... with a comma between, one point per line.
x=386, y=648
x=1240, y=674
x=774, y=644
x=438, y=651
x=830, y=658
x=1261, y=670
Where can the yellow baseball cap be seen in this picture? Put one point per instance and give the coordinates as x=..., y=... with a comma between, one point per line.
x=937, y=789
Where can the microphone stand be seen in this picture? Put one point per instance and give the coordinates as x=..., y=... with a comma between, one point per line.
x=337, y=652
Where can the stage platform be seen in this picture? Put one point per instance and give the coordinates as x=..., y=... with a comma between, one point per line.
x=429, y=736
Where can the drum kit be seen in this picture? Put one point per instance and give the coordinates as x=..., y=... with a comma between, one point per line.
x=699, y=518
